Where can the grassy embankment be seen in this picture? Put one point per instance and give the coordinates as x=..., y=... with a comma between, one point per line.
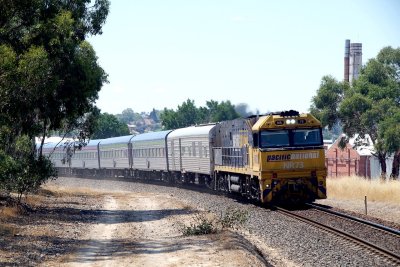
x=355, y=188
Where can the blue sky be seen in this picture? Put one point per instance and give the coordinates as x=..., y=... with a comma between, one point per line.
x=268, y=54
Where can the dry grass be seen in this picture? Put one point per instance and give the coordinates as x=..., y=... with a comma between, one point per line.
x=42, y=230
x=7, y=230
x=356, y=188
x=60, y=191
x=9, y=212
x=33, y=200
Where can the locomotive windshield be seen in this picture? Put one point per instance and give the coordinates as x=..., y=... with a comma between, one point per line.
x=290, y=138
x=274, y=138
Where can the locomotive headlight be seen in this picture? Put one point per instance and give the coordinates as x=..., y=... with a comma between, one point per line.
x=267, y=186
x=290, y=121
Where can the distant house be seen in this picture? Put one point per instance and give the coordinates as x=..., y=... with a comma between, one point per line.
x=327, y=144
x=132, y=129
x=354, y=160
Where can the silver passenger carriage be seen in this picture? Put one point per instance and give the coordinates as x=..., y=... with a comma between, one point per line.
x=85, y=161
x=115, y=156
x=190, y=152
x=56, y=152
x=149, y=153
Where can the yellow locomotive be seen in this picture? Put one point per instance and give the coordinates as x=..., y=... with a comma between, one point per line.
x=272, y=158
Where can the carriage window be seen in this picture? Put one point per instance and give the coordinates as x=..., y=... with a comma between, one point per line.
x=200, y=150
x=194, y=148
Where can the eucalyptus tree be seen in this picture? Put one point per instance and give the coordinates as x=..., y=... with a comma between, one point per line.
x=369, y=107
x=49, y=75
x=108, y=125
x=188, y=114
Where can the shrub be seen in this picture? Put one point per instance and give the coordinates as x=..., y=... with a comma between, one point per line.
x=21, y=171
x=201, y=226
x=232, y=218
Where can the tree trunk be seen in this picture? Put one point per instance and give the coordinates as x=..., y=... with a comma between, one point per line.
x=395, y=166
x=382, y=163
x=43, y=137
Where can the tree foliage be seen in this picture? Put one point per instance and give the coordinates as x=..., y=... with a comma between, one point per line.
x=128, y=116
x=108, y=125
x=370, y=107
x=188, y=114
x=155, y=115
x=49, y=78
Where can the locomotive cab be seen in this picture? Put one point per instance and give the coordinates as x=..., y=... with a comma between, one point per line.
x=288, y=155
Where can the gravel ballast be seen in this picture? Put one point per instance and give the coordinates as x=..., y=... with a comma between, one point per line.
x=284, y=241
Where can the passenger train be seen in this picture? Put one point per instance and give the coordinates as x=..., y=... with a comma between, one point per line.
x=271, y=158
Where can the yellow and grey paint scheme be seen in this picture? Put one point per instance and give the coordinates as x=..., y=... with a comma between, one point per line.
x=284, y=173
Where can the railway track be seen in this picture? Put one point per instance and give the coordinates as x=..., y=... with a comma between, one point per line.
x=390, y=254
x=362, y=221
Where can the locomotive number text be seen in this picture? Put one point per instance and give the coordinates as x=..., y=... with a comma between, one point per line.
x=293, y=165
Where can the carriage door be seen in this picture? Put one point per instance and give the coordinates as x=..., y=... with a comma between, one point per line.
x=173, y=155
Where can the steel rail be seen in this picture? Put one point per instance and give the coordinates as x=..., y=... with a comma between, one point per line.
x=393, y=256
x=376, y=225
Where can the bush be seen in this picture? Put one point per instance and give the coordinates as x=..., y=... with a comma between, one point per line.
x=202, y=226
x=232, y=218
x=21, y=171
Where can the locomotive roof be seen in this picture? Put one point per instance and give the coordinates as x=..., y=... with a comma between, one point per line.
x=192, y=131
x=277, y=121
x=150, y=136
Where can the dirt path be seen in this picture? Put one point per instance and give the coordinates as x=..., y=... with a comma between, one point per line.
x=143, y=230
